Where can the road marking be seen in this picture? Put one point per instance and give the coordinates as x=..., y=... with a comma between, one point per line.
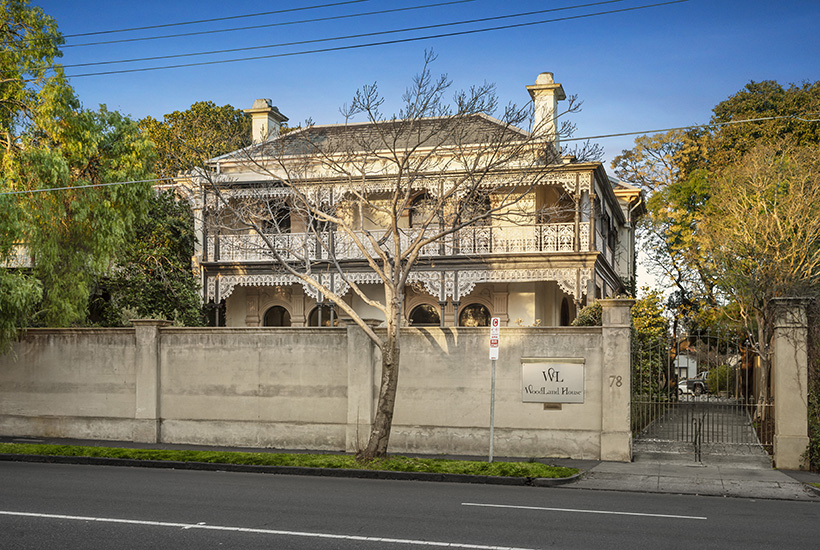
x=609, y=512
x=279, y=532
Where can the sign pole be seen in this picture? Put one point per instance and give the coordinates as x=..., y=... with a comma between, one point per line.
x=495, y=332
x=492, y=413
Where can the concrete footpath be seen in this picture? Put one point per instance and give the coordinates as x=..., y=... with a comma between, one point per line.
x=722, y=480
x=648, y=476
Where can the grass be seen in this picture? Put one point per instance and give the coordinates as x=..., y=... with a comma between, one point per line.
x=392, y=463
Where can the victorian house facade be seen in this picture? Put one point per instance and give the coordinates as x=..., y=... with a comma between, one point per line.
x=571, y=240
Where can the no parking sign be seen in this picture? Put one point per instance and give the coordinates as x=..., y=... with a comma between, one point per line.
x=495, y=332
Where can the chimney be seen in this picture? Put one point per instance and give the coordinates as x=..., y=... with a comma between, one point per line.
x=267, y=120
x=545, y=95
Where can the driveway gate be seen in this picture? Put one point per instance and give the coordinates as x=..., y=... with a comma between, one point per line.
x=700, y=395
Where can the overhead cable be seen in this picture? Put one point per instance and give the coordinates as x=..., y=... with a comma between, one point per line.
x=268, y=25
x=372, y=44
x=335, y=38
x=602, y=136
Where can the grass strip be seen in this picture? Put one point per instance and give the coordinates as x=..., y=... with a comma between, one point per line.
x=392, y=463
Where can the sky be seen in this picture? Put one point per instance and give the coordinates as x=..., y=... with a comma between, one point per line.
x=635, y=71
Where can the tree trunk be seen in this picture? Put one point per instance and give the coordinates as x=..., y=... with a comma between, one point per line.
x=383, y=421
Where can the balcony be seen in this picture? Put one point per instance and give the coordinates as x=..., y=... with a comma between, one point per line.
x=468, y=242
x=18, y=258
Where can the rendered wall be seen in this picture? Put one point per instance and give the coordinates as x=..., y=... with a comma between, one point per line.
x=69, y=383
x=303, y=388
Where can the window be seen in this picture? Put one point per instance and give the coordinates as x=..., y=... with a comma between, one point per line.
x=425, y=315
x=277, y=316
x=421, y=209
x=474, y=315
x=323, y=316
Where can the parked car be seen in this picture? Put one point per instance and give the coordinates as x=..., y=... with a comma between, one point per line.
x=693, y=386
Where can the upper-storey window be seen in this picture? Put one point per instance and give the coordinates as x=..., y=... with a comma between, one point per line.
x=422, y=211
x=473, y=206
x=275, y=216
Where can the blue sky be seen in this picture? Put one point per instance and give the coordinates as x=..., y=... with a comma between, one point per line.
x=640, y=70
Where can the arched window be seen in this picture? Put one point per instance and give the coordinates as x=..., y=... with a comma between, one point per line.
x=323, y=316
x=565, y=313
x=474, y=315
x=425, y=315
x=277, y=316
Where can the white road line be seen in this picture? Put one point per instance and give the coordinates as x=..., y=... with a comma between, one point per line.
x=609, y=512
x=260, y=531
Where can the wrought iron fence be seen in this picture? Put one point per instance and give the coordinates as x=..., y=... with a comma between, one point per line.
x=707, y=389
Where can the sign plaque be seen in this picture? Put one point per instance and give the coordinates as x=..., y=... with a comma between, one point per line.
x=552, y=380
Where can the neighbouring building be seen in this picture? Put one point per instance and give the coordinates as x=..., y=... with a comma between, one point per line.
x=570, y=240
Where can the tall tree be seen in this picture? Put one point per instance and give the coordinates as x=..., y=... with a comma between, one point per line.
x=761, y=235
x=154, y=278
x=186, y=139
x=438, y=164
x=54, y=150
x=677, y=170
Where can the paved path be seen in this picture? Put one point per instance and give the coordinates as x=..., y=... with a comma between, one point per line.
x=698, y=479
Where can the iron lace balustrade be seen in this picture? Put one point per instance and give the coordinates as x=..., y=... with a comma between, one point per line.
x=467, y=242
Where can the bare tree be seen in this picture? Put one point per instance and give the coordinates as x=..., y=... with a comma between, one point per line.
x=343, y=206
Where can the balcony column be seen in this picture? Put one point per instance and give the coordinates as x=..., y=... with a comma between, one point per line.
x=576, y=246
x=442, y=300
x=456, y=299
x=203, y=217
x=593, y=216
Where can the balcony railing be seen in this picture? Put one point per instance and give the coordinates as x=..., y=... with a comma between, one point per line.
x=468, y=242
x=19, y=257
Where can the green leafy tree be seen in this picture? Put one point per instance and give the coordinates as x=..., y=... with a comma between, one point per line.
x=54, y=149
x=761, y=235
x=677, y=170
x=186, y=139
x=30, y=44
x=154, y=278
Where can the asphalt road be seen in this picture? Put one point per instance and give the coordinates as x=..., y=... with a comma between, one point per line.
x=91, y=507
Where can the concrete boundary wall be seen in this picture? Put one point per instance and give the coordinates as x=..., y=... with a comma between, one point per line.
x=311, y=388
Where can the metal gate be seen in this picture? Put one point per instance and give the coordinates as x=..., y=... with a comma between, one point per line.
x=701, y=395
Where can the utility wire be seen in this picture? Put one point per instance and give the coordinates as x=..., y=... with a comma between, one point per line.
x=89, y=186
x=166, y=25
x=602, y=136
x=382, y=43
x=333, y=39
x=727, y=123
x=279, y=24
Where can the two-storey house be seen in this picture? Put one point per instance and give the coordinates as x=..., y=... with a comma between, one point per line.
x=560, y=232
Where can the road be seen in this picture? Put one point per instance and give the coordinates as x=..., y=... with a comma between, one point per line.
x=91, y=507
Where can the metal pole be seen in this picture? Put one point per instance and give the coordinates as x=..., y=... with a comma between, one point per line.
x=492, y=412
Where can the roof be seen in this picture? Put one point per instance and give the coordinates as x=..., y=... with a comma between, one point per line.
x=398, y=134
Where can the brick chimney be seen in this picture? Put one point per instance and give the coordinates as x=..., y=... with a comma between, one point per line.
x=545, y=95
x=267, y=120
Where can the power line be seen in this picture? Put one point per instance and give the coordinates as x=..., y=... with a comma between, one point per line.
x=333, y=39
x=762, y=119
x=196, y=22
x=279, y=24
x=89, y=186
x=381, y=43
x=602, y=136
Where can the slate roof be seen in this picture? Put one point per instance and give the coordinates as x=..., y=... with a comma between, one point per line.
x=391, y=134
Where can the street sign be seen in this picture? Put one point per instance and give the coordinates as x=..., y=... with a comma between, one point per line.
x=495, y=333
